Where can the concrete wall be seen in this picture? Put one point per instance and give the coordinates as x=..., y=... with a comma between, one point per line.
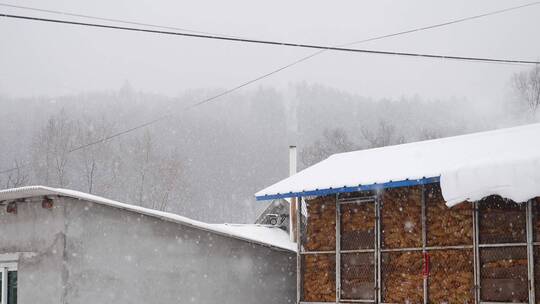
x=81, y=252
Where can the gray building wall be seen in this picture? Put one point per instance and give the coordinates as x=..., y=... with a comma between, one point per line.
x=81, y=252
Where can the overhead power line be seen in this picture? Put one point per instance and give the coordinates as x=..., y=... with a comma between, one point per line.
x=63, y=13
x=270, y=42
x=418, y=29
x=410, y=31
x=118, y=134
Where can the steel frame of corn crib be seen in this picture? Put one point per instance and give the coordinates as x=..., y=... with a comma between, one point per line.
x=377, y=251
x=530, y=252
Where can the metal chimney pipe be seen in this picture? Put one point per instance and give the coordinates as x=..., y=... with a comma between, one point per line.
x=292, y=160
x=293, y=204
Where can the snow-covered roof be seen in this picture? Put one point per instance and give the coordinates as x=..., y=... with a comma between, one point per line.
x=469, y=167
x=264, y=235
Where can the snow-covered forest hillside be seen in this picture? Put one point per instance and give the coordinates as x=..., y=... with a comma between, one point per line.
x=207, y=162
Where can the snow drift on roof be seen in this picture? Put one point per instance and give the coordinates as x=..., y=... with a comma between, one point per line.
x=516, y=177
x=264, y=235
x=504, y=162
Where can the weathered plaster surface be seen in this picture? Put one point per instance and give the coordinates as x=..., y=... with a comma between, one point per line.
x=88, y=253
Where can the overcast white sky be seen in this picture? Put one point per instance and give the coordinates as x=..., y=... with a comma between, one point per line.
x=49, y=59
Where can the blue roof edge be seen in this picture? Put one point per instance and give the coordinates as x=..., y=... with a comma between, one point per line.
x=321, y=192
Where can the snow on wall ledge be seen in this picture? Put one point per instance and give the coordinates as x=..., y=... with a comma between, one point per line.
x=272, y=237
x=513, y=177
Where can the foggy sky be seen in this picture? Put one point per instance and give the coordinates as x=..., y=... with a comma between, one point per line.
x=50, y=59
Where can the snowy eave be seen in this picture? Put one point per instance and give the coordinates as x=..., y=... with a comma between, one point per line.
x=504, y=162
x=263, y=235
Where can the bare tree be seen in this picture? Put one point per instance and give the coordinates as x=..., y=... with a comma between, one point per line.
x=527, y=85
x=51, y=149
x=18, y=177
x=384, y=135
x=145, y=147
x=167, y=182
x=93, y=158
x=156, y=178
x=333, y=141
x=429, y=133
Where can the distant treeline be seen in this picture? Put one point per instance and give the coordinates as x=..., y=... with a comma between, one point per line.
x=206, y=163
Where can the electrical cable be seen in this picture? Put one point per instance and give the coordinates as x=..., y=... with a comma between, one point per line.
x=255, y=79
x=63, y=13
x=270, y=42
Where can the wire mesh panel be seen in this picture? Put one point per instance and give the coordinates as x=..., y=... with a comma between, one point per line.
x=357, y=276
x=319, y=278
x=447, y=226
x=402, y=280
x=357, y=225
x=451, y=276
x=318, y=233
x=501, y=221
x=357, y=232
x=401, y=221
x=503, y=274
x=319, y=224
